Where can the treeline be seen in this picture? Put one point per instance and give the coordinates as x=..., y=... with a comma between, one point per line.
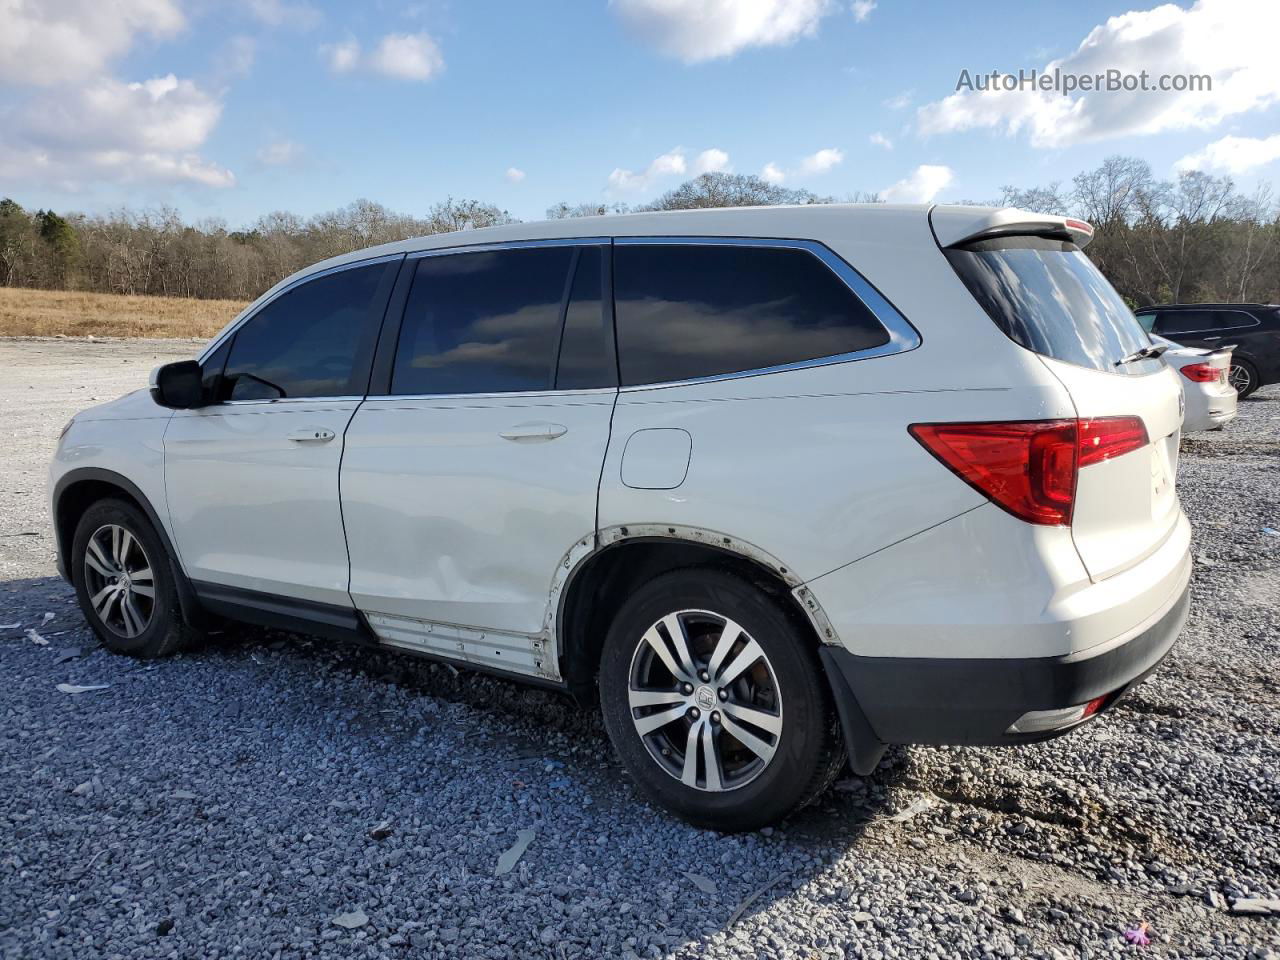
x=1196, y=238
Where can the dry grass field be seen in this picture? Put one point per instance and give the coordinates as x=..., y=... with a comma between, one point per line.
x=48, y=313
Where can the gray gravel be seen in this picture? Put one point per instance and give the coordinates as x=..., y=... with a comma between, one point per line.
x=269, y=795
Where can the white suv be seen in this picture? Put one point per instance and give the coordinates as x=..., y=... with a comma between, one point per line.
x=778, y=486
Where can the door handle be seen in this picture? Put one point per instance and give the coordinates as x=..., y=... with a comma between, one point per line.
x=1210, y=339
x=536, y=432
x=312, y=435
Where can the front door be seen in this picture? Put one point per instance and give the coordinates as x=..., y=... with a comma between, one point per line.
x=467, y=482
x=252, y=478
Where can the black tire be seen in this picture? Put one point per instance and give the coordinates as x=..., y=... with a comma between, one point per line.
x=1244, y=372
x=164, y=632
x=808, y=752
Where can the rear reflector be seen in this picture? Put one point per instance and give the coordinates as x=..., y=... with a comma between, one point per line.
x=1200, y=372
x=1028, y=467
x=1042, y=721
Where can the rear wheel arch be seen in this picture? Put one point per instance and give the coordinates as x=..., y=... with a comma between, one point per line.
x=633, y=555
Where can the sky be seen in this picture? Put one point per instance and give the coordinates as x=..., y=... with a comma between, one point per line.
x=234, y=108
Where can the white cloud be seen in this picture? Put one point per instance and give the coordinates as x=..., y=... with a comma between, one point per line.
x=514, y=174
x=822, y=161
x=342, y=57
x=668, y=164
x=878, y=139
x=862, y=9
x=112, y=130
x=407, y=56
x=277, y=13
x=772, y=173
x=1233, y=154
x=711, y=161
x=1232, y=41
x=925, y=183
x=47, y=42
x=696, y=30
x=280, y=153
x=900, y=101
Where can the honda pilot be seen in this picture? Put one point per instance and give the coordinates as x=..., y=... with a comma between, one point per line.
x=775, y=487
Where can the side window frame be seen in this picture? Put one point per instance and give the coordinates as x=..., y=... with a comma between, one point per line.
x=362, y=370
x=389, y=340
x=903, y=337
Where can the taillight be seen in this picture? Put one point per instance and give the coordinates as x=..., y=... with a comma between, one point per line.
x=1028, y=467
x=1200, y=372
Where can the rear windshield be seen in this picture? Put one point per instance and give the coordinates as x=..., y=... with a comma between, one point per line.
x=1047, y=296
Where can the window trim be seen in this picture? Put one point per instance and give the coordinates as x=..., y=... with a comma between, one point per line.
x=1253, y=320
x=228, y=335
x=903, y=337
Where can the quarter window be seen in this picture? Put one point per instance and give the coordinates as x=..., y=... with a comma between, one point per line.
x=311, y=341
x=485, y=322
x=696, y=310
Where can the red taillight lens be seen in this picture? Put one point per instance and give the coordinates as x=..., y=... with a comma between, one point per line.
x=1199, y=372
x=1029, y=467
x=1109, y=437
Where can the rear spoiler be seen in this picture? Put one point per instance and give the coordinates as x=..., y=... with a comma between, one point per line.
x=955, y=226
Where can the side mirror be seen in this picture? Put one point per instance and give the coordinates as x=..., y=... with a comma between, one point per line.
x=178, y=385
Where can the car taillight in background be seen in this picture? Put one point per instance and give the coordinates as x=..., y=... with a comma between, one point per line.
x=1202, y=372
x=1028, y=467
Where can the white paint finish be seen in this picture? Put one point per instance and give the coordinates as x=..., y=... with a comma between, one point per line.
x=816, y=478
x=1126, y=506
x=251, y=508
x=1209, y=405
x=449, y=522
x=656, y=459
x=985, y=584
x=955, y=224
x=125, y=436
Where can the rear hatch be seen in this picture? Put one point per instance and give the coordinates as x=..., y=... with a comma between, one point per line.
x=1046, y=295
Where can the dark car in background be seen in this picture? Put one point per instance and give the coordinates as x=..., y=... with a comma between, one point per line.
x=1253, y=327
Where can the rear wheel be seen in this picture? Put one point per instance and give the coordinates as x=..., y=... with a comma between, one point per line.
x=124, y=582
x=715, y=701
x=1244, y=377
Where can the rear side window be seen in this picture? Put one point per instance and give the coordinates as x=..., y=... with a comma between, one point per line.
x=697, y=310
x=1047, y=296
x=1170, y=323
x=485, y=322
x=311, y=341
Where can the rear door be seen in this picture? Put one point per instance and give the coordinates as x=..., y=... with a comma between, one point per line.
x=466, y=482
x=1047, y=296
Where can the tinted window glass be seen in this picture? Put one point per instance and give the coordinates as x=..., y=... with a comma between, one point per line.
x=690, y=310
x=312, y=341
x=1147, y=320
x=586, y=347
x=1047, y=296
x=482, y=322
x=1170, y=323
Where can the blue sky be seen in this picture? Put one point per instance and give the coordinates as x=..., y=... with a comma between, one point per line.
x=235, y=108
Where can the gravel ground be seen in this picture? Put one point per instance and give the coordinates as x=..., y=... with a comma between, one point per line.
x=268, y=795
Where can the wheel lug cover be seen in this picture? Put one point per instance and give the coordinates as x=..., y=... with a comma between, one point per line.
x=715, y=717
x=695, y=712
x=724, y=694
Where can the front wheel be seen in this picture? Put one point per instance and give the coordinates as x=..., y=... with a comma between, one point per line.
x=714, y=699
x=124, y=582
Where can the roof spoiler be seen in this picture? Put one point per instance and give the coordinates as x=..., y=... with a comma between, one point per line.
x=954, y=226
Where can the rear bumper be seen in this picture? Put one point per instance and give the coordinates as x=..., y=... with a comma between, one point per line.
x=913, y=700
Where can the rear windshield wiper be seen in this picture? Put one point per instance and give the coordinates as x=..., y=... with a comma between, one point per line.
x=1146, y=353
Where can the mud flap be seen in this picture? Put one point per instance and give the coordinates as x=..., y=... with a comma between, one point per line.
x=864, y=747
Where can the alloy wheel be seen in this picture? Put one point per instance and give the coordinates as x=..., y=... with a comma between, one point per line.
x=119, y=581
x=1239, y=378
x=705, y=700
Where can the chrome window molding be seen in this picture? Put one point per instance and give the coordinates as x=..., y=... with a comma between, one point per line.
x=902, y=335
x=231, y=331
x=511, y=245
